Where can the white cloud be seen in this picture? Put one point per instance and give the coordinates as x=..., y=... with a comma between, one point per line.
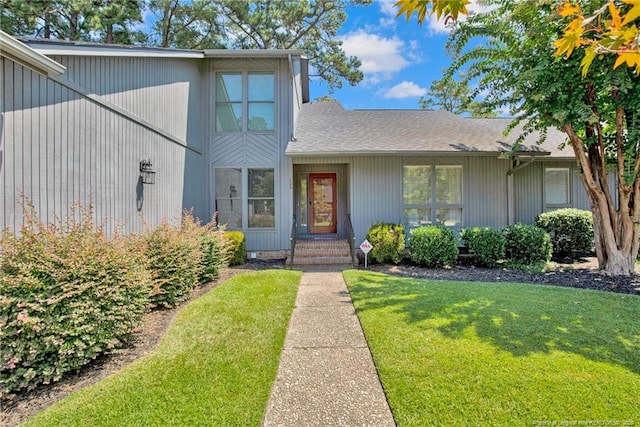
x=438, y=26
x=387, y=8
x=381, y=57
x=388, y=12
x=405, y=90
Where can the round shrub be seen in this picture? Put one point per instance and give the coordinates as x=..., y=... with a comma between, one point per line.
x=387, y=240
x=236, y=247
x=433, y=246
x=485, y=244
x=527, y=244
x=571, y=231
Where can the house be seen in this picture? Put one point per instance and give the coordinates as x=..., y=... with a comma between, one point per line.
x=233, y=132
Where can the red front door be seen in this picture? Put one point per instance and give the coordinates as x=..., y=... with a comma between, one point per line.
x=322, y=203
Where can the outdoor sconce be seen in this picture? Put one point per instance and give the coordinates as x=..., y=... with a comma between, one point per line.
x=147, y=173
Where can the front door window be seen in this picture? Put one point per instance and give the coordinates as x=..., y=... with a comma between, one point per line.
x=322, y=203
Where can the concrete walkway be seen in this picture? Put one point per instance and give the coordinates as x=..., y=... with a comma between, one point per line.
x=326, y=375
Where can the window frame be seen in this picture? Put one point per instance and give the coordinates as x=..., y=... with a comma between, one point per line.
x=246, y=101
x=433, y=206
x=552, y=206
x=251, y=198
x=244, y=196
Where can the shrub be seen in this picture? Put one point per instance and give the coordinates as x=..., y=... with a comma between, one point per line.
x=173, y=257
x=433, y=246
x=485, y=244
x=527, y=244
x=68, y=294
x=236, y=247
x=388, y=242
x=571, y=231
x=213, y=255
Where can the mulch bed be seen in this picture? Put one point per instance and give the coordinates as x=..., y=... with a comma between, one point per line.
x=578, y=274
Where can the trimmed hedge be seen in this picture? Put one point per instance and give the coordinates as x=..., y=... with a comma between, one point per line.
x=236, y=247
x=68, y=294
x=387, y=240
x=433, y=246
x=487, y=245
x=527, y=244
x=174, y=258
x=571, y=231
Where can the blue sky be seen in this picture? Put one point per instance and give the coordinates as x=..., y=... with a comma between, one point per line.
x=399, y=58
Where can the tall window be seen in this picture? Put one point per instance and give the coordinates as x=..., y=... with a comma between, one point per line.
x=245, y=102
x=557, y=188
x=229, y=196
x=251, y=205
x=432, y=195
x=262, y=211
x=261, y=103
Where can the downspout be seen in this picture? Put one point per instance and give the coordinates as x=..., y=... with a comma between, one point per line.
x=511, y=197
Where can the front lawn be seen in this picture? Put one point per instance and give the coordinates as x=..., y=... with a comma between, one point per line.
x=215, y=366
x=469, y=354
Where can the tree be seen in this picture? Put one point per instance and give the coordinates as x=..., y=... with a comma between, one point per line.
x=107, y=21
x=454, y=96
x=186, y=25
x=599, y=109
x=310, y=25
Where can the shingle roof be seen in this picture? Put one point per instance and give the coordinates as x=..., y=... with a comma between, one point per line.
x=326, y=128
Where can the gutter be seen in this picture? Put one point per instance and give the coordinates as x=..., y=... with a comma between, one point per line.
x=30, y=58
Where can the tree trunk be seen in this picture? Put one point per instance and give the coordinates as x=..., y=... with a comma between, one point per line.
x=616, y=231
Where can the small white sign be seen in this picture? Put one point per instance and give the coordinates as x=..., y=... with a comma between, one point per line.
x=366, y=246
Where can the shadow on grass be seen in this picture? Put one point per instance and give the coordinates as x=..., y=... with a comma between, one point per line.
x=519, y=319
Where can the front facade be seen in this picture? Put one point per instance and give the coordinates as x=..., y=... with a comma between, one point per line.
x=233, y=133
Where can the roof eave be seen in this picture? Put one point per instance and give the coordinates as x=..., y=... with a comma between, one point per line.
x=64, y=48
x=24, y=54
x=252, y=53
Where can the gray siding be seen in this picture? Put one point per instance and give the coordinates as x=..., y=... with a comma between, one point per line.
x=375, y=188
x=256, y=150
x=529, y=189
x=60, y=147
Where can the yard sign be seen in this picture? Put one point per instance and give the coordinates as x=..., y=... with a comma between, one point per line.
x=365, y=247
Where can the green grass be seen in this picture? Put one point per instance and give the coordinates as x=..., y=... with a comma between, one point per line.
x=215, y=366
x=470, y=354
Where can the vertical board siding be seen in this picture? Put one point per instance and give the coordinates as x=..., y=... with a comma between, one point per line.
x=166, y=92
x=60, y=148
x=376, y=192
x=259, y=149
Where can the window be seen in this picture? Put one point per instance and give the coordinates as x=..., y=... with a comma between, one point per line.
x=557, y=188
x=262, y=213
x=258, y=206
x=245, y=102
x=422, y=205
x=229, y=197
